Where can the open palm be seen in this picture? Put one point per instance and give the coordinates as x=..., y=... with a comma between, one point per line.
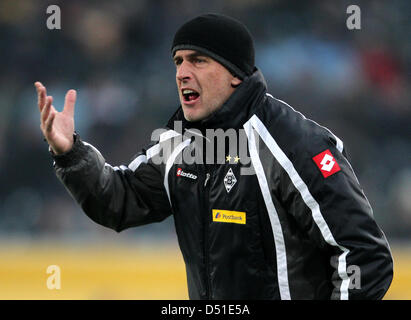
x=57, y=127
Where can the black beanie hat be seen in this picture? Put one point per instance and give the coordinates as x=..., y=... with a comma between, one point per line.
x=223, y=38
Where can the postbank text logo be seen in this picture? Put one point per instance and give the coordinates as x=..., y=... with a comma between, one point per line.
x=229, y=216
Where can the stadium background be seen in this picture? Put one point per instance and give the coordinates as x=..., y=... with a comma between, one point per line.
x=116, y=54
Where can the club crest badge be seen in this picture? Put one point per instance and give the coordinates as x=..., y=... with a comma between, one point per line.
x=229, y=180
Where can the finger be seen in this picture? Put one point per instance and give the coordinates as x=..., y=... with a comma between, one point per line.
x=70, y=102
x=49, y=122
x=42, y=98
x=39, y=87
x=46, y=109
x=42, y=94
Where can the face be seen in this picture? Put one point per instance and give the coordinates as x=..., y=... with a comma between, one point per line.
x=203, y=84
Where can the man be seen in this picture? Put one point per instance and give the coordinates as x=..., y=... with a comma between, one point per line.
x=299, y=228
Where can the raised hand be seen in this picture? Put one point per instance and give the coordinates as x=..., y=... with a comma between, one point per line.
x=57, y=127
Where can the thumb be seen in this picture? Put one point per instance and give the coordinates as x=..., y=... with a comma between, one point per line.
x=70, y=102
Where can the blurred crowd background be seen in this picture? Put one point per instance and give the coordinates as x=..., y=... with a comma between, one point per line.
x=116, y=54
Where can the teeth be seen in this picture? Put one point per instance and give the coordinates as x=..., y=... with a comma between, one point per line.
x=188, y=91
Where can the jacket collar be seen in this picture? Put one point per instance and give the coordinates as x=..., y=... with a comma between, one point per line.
x=234, y=112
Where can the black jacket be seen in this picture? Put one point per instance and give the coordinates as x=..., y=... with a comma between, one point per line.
x=292, y=224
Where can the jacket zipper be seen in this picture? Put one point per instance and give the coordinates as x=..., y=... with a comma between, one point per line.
x=207, y=178
x=206, y=226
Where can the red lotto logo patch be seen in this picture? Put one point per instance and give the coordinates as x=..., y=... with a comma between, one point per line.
x=326, y=163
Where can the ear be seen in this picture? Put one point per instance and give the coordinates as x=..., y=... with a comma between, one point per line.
x=235, y=82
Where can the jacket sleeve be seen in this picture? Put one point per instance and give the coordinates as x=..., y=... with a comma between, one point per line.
x=115, y=197
x=328, y=202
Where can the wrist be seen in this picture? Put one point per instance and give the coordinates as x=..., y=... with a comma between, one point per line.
x=62, y=151
x=57, y=152
x=72, y=156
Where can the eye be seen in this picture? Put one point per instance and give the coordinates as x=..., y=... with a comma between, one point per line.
x=199, y=60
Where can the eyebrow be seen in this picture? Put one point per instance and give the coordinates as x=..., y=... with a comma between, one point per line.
x=190, y=56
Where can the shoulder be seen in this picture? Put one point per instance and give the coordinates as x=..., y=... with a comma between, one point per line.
x=290, y=129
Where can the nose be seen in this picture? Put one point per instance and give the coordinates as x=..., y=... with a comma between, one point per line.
x=183, y=72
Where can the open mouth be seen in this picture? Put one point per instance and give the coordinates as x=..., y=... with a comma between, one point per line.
x=190, y=95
